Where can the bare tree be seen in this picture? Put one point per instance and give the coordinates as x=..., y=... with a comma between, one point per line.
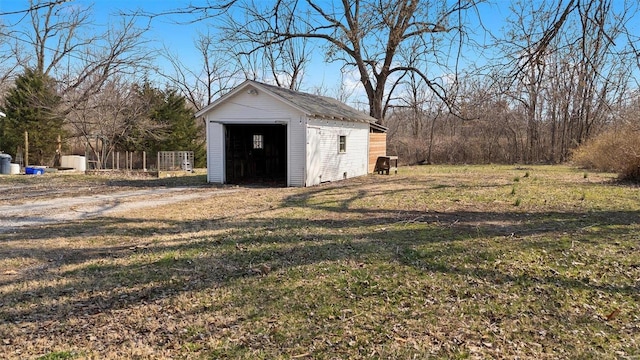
x=216, y=73
x=281, y=62
x=59, y=40
x=363, y=34
x=60, y=47
x=33, y=6
x=54, y=35
x=111, y=119
x=8, y=68
x=567, y=71
x=287, y=62
x=530, y=19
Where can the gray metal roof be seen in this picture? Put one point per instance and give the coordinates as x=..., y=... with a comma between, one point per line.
x=316, y=105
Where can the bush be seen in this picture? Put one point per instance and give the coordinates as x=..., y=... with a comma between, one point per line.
x=615, y=150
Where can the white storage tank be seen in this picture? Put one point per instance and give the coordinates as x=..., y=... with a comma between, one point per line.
x=75, y=162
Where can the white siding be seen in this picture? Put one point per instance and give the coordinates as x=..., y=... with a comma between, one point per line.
x=324, y=161
x=314, y=156
x=296, y=137
x=245, y=108
x=312, y=144
x=215, y=153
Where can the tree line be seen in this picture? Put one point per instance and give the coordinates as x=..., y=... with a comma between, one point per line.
x=564, y=76
x=556, y=76
x=63, y=80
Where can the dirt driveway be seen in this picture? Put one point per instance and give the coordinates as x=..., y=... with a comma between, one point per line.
x=60, y=199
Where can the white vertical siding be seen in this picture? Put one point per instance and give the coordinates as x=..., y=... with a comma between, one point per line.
x=312, y=144
x=325, y=162
x=215, y=153
x=314, y=156
x=296, y=137
x=263, y=109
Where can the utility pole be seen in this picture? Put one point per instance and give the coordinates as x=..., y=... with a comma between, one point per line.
x=26, y=148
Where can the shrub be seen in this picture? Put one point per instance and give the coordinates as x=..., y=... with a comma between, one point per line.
x=615, y=150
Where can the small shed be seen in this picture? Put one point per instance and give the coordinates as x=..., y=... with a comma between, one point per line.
x=260, y=133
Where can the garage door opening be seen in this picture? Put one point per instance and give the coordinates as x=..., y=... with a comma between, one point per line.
x=256, y=154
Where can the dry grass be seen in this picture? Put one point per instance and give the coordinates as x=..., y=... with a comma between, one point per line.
x=616, y=150
x=438, y=261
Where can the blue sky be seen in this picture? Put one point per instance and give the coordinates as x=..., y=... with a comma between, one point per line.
x=106, y=12
x=179, y=38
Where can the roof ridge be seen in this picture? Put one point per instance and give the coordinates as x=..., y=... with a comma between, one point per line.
x=317, y=105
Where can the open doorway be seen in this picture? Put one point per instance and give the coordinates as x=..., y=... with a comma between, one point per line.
x=256, y=154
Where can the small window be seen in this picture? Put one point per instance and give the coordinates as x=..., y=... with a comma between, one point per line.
x=258, y=142
x=342, y=144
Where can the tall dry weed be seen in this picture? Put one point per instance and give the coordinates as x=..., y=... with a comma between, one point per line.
x=615, y=150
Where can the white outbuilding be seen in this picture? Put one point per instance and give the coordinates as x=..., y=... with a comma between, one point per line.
x=260, y=133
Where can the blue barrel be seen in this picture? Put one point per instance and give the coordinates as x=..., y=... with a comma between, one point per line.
x=32, y=170
x=5, y=164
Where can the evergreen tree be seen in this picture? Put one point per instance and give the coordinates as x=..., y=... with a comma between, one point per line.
x=176, y=129
x=31, y=105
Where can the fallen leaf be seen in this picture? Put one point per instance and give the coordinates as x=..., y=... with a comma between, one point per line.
x=613, y=314
x=265, y=269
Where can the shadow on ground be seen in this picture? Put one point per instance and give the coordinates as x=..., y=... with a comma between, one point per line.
x=216, y=251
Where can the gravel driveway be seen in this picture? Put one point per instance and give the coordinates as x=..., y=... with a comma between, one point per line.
x=30, y=205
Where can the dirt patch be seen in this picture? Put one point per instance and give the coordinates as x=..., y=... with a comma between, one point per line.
x=52, y=202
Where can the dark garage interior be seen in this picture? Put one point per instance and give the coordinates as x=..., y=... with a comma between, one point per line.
x=256, y=154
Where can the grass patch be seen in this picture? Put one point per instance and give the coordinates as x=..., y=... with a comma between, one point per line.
x=59, y=355
x=436, y=262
